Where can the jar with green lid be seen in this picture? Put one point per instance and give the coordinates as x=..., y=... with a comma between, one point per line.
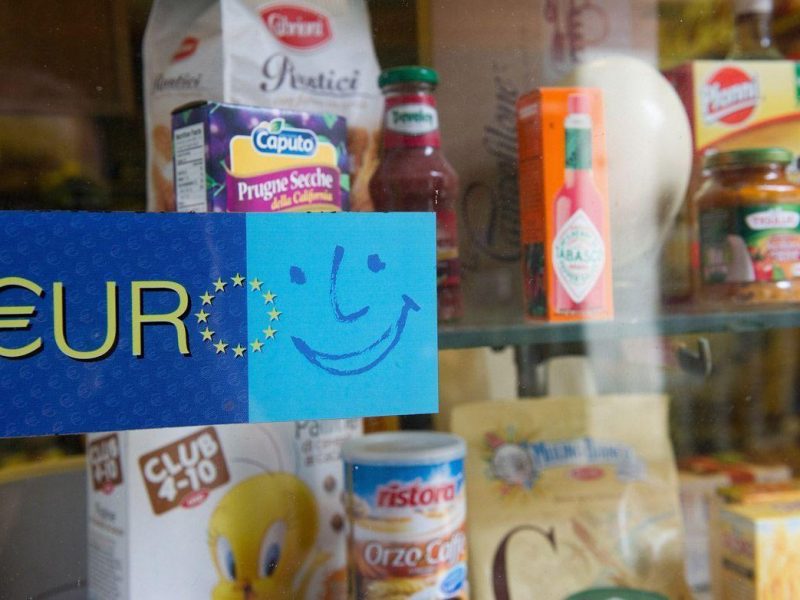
x=747, y=216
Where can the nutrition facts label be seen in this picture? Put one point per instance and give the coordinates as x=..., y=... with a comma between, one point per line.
x=190, y=168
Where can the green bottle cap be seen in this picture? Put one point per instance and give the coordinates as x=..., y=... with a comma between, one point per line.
x=616, y=594
x=748, y=157
x=408, y=74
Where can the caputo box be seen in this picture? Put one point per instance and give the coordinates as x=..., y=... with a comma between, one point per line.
x=235, y=158
x=231, y=511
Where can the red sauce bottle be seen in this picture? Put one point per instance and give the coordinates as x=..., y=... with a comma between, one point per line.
x=413, y=174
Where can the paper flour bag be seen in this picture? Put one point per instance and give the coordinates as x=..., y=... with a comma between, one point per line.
x=571, y=494
x=314, y=56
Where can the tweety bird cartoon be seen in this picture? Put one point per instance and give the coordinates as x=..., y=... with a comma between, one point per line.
x=261, y=538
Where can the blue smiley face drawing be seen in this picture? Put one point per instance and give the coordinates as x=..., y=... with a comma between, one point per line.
x=360, y=360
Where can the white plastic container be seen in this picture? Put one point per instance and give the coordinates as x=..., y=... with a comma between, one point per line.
x=406, y=504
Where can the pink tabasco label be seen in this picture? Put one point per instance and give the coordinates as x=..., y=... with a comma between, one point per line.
x=314, y=188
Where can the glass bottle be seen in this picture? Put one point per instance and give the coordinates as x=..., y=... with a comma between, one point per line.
x=748, y=229
x=752, y=37
x=414, y=175
x=579, y=251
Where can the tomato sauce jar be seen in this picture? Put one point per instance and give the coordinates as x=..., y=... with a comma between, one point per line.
x=414, y=175
x=747, y=216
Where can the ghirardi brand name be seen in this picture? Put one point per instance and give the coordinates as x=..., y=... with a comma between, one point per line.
x=297, y=27
x=773, y=219
x=275, y=137
x=730, y=96
x=415, y=494
x=412, y=119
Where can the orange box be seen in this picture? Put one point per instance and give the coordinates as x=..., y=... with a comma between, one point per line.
x=564, y=221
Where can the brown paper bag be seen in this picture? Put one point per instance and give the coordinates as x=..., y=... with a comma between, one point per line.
x=569, y=494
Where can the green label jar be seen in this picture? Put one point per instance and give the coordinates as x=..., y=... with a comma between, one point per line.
x=748, y=228
x=750, y=243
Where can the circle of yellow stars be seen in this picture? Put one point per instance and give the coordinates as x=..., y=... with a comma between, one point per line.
x=220, y=285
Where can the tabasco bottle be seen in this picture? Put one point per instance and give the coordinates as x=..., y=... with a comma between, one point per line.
x=414, y=175
x=578, y=246
x=564, y=218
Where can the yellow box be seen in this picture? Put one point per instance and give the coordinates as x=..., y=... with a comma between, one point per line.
x=740, y=104
x=759, y=551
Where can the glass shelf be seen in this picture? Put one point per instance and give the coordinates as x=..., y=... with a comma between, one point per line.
x=494, y=332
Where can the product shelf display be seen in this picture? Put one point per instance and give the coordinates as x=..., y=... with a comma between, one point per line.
x=499, y=331
x=431, y=300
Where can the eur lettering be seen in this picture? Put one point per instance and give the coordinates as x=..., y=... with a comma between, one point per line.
x=18, y=318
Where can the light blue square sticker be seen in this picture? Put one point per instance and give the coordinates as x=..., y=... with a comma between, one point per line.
x=341, y=315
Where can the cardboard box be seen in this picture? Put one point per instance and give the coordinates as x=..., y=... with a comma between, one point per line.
x=564, y=221
x=700, y=479
x=740, y=104
x=760, y=551
x=743, y=495
x=234, y=158
x=209, y=512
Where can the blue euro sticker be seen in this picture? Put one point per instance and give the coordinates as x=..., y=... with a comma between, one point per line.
x=122, y=321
